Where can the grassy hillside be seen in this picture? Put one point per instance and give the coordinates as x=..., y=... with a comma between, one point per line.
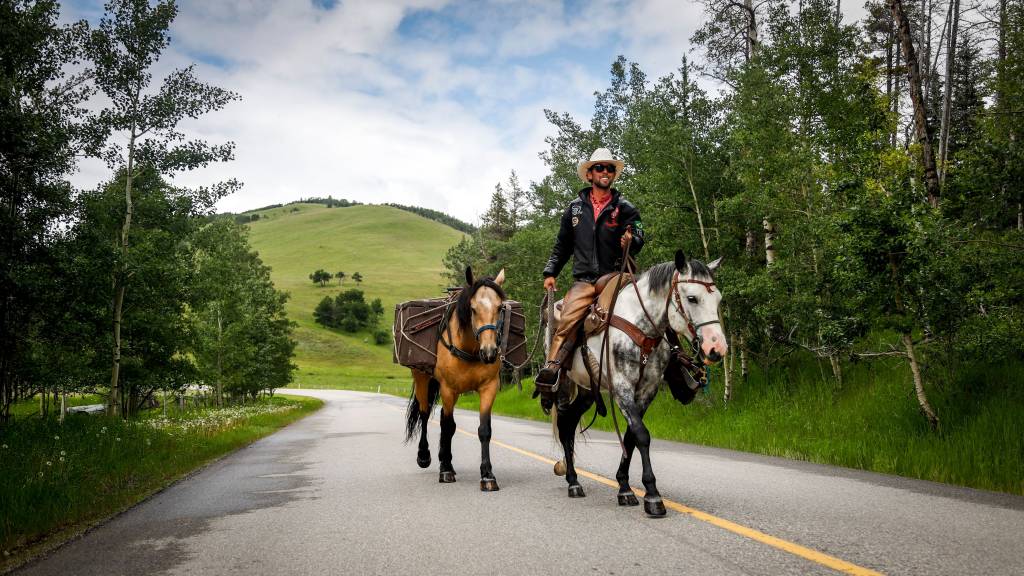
x=397, y=253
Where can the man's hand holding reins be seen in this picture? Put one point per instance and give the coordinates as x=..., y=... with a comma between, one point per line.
x=626, y=237
x=549, y=283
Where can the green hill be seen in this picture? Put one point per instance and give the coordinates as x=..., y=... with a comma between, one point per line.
x=398, y=253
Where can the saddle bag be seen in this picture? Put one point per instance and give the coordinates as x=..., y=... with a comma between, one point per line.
x=416, y=332
x=683, y=375
x=513, y=337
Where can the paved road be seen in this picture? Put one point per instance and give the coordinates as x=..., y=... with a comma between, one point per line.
x=338, y=493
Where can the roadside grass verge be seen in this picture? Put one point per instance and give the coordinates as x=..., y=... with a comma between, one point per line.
x=58, y=479
x=871, y=423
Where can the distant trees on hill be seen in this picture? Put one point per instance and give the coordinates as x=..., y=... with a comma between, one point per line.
x=330, y=202
x=349, y=311
x=321, y=277
x=437, y=217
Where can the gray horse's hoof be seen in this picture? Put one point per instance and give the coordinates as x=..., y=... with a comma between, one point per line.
x=423, y=459
x=654, y=506
x=488, y=485
x=576, y=491
x=446, y=477
x=628, y=499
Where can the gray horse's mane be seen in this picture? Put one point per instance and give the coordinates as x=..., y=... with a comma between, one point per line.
x=659, y=276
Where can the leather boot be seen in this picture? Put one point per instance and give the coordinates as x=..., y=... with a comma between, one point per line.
x=547, y=377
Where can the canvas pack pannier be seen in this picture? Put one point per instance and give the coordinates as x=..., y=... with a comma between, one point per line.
x=415, y=332
x=417, y=325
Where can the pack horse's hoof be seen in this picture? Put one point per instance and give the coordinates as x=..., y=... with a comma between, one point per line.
x=628, y=499
x=654, y=507
x=488, y=485
x=576, y=491
x=446, y=477
x=423, y=459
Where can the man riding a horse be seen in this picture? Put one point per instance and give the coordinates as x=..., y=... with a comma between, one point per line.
x=595, y=229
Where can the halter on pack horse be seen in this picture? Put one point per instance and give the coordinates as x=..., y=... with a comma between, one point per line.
x=669, y=299
x=467, y=359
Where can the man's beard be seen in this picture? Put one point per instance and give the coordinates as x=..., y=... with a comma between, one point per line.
x=597, y=184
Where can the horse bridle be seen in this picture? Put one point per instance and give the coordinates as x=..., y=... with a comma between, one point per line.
x=459, y=352
x=678, y=302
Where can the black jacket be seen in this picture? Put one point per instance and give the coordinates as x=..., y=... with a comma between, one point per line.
x=594, y=246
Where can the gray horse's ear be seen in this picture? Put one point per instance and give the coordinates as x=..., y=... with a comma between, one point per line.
x=715, y=264
x=469, y=275
x=500, y=278
x=680, y=261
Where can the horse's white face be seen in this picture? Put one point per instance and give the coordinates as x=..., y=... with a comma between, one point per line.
x=485, y=306
x=700, y=301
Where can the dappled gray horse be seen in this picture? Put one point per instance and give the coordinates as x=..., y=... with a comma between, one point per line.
x=678, y=297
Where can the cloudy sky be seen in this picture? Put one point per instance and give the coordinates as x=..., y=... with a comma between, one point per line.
x=422, y=102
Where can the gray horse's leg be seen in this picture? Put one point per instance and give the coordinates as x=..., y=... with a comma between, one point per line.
x=626, y=495
x=653, y=504
x=568, y=419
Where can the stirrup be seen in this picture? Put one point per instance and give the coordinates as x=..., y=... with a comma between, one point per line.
x=549, y=384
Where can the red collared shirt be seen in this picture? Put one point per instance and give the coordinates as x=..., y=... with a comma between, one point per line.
x=599, y=204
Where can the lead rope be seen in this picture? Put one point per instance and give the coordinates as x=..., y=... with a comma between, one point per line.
x=605, y=349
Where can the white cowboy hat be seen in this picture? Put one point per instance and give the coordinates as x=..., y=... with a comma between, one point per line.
x=600, y=156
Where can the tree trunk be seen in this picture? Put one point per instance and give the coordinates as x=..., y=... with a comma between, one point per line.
x=896, y=92
x=915, y=369
x=751, y=29
x=922, y=130
x=837, y=369
x=696, y=207
x=954, y=21
x=744, y=368
x=769, y=242
x=120, y=281
x=220, y=349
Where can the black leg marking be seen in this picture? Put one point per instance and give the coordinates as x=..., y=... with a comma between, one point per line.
x=423, y=454
x=487, y=481
x=445, y=454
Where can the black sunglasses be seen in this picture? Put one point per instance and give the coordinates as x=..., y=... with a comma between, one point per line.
x=609, y=168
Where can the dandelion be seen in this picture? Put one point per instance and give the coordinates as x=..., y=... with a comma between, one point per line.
x=48, y=463
x=63, y=453
x=5, y=446
x=118, y=438
x=61, y=458
x=56, y=437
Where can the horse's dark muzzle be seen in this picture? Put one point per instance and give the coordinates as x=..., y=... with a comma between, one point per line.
x=714, y=357
x=489, y=356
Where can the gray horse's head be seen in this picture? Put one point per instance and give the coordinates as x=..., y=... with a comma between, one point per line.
x=693, y=310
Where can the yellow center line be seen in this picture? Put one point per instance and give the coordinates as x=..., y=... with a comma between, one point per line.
x=756, y=535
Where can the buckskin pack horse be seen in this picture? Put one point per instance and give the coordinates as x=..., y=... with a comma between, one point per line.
x=669, y=299
x=467, y=359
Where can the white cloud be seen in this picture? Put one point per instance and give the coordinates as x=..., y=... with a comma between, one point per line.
x=426, y=102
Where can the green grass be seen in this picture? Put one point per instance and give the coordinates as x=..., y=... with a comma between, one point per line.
x=398, y=254
x=872, y=423
x=58, y=478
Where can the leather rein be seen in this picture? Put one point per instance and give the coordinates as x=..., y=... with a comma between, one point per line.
x=647, y=344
